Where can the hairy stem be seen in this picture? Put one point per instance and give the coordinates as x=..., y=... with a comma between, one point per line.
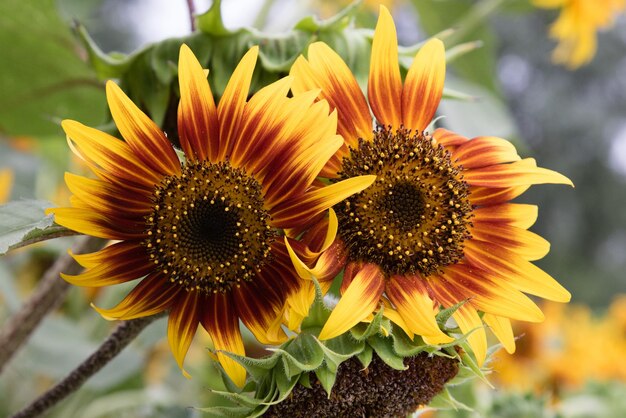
x=110, y=348
x=49, y=294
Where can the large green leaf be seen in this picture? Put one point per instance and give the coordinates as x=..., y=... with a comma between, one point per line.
x=43, y=79
x=24, y=220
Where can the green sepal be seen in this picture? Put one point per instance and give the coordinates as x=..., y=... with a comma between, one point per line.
x=404, y=346
x=211, y=21
x=445, y=400
x=340, y=349
x=305, y=380
x=304, y=354
x=318, y=313
x=365, y=356
x=327, y=378
x=384, y=349
x=256, y=368
x=226, y=412
x=363, y=331
x=445, y=314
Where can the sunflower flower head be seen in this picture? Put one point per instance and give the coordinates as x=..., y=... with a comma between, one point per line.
x=205, y=237
x=436, y=229
x=577, y=25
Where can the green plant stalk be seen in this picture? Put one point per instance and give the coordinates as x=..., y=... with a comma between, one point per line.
x=125, y=332
x=475, y=17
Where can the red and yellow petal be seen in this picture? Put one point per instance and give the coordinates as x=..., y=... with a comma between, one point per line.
x=300, y=211
x=327, y=71
x=221, y=322
x=485, y=151
x=259, y=303
x=523, y=242
x=143, y=136
x=231, y=105
x=483, y=196
x=356, y=303
x=514, y=270
x=412, y=301
x=152, y=295
x=262, y=124
x=384, y=87
x=198, y=128
x=513, y=174
x=110, y=154
x=122, y=267
x=89, y=223
x=423, y=86
x=449, y=139
x=182, y=324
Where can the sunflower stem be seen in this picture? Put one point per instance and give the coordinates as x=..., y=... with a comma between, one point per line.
x=192, y=14
x=125, y=332
x=49, y=294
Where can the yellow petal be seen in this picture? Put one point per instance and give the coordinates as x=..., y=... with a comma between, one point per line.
x=412, y=301
x=359, y=301
x=384, y=87
x=501, y=327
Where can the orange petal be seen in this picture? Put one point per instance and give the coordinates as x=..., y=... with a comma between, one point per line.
x=221, y=321
x=197, y=117
x=501, y=328
x=423, y=86
x=448, y=138
x=412, y=301
x=485, y=151
x=182, y=325
x=231, y=105
x=359, y=301
x=144, y=137
x=513, y=174
x=483, y=196
x=384, y=87
x=152, y=295
x=327, y=71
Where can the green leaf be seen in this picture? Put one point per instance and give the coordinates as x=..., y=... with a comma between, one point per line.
x=24, y=220
x=303, y=354
x=404, y=346
x=43, y=79
x=340, y=349
x=257, y=368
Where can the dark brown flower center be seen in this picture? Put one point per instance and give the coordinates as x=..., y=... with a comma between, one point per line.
x=415, y=217
x=208, y=230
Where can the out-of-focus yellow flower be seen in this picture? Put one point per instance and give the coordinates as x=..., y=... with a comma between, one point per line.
x=6, y=181
x=576, y=27
x=570, y=348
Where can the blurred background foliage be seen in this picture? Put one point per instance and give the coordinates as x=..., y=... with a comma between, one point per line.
x=570, y=121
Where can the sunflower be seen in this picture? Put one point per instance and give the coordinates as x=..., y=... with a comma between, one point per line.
x=6, y=180
x=576, y=27
x=205, y=236
x=436, y=228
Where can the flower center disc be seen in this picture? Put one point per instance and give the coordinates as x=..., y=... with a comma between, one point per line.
x=415, y=217
x=208, y=230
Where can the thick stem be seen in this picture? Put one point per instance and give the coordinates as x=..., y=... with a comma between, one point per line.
x=110, y=348
x=49, y=294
